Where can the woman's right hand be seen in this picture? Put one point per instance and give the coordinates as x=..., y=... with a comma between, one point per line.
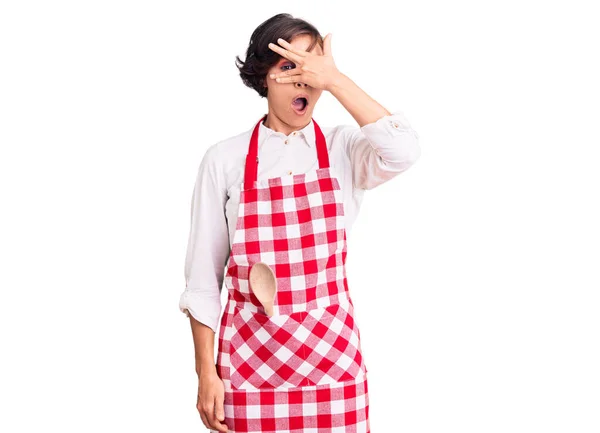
x=211, y=394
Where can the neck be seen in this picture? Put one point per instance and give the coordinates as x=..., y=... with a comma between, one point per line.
x=278, y=125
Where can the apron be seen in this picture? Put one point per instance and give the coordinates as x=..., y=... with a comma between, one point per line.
x=301, y=369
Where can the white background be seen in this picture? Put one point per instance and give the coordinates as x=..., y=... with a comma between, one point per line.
x=475, y=274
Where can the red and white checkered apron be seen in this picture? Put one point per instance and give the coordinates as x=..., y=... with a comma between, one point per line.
x=300, y=370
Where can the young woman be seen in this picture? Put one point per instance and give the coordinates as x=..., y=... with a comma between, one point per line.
x=285, y=193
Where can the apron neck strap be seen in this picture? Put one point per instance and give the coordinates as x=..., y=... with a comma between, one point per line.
x=252, y=156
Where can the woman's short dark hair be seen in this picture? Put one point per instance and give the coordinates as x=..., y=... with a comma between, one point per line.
x=260, y=58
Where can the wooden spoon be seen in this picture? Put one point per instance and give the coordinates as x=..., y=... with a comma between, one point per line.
x=264, y=285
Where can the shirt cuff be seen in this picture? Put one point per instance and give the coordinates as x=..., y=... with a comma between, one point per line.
x=380, y=132
x=203, y=307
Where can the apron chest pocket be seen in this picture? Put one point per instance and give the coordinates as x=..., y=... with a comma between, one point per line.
x=313, y=347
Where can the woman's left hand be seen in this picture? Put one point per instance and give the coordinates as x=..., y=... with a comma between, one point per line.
x=315, y=70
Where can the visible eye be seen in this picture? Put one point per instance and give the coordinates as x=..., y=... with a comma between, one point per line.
x=292, y=66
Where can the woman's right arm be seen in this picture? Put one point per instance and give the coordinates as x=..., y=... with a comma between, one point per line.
x=206, y=256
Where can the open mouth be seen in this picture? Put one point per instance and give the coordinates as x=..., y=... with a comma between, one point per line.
x=300, y=105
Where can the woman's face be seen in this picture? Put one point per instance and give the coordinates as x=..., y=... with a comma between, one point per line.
x=281, y=96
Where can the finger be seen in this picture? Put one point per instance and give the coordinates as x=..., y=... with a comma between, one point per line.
x=206, y=410
x=287, y=73
x=212, y=418
x=219, y=426
x=201, y=412
x=285, y=53
x=219, y=409
x=291, y=79
x=204, y=418
x=289, y=47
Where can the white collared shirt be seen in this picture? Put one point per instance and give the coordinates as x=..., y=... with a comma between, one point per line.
x=361, y=158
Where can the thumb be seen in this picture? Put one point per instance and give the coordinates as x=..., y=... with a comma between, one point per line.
x=219, y=410
x=327, y=44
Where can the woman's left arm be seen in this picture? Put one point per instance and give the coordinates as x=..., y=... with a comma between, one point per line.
x=384, y=146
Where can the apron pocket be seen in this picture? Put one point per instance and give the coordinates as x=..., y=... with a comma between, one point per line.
x=313, y=347
x=333, y=348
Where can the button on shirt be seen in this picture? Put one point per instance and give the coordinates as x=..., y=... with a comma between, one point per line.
x=361, y=157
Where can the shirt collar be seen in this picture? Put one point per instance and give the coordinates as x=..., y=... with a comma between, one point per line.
x=308, y=133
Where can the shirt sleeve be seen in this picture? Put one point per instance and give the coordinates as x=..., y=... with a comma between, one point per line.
x=381, y=150
x=208, y=243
